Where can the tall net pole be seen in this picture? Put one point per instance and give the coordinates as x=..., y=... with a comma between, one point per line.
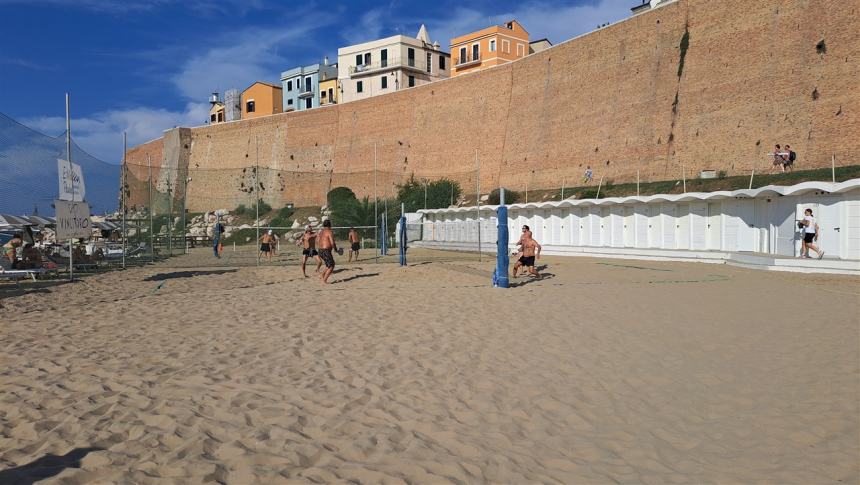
x=257, y=194
x=69, y=157
x=151, y=208
x=478, y=201
x=375, y=207
x=124, y=182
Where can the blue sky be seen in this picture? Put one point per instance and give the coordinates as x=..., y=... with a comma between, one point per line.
x=145, y=66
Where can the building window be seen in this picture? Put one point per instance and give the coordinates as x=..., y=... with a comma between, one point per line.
x=220, y=117
x=307, y=84
x=359, y=87
x=367, y=59
x=441, y=63
x=521, y=51
x=309, y=103
x=476, y=52
x=506, y=46
x=249, y=107
x=212, y=117
x=289, y=102
x=462, y=55
x=383, y=58
x=429, y=61
x=322, y=94
x=493, y=45
x=330, y=95
x=357, y=60
x=411, y=81
x=410, y=56
x=289, y=85
x=384, y=82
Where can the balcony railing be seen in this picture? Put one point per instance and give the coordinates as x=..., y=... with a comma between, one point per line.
x=465, y=61
x=306, y=94
x=365, y=69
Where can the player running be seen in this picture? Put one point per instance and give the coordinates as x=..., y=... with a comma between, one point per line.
x=327, y=244
x=531, y=251
x=308, y=242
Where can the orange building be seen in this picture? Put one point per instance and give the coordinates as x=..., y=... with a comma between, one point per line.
x=262, y=99
x=489, y=47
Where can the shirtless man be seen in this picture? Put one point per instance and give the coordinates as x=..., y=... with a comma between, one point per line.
x=266, y=243
x=531, y=250
x=354, y=244
x=325, y=240
x=527, y=234
x=308, y=242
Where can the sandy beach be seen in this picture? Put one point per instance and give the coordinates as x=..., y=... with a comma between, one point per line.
x=608, y=371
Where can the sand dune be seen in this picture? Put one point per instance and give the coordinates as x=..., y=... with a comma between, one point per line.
x=605, y=372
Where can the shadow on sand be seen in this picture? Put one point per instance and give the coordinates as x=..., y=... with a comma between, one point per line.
x=186, y=274
x=365, y=275
x=44, y=467
x=522, y=282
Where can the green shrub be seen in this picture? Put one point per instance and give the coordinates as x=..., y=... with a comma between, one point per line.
x=339, y=196
x=240, y=210
x=437, y=194
x=283, y=217
x=264, y=207
x=511, y=197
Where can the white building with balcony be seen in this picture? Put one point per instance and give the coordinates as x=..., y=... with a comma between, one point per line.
x=390, y=64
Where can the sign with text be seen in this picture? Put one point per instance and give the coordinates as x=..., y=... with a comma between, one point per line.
x=71, y=179
x=73, y=219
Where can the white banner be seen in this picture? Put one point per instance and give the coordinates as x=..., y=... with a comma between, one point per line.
x=73, y=219
x=71, y=179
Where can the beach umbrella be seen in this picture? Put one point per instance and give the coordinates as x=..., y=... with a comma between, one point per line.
x=10, y=220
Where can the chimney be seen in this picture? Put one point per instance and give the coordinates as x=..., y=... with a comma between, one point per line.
x=325, y=60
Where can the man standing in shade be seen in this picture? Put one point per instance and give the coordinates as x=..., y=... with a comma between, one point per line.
x=326, y=244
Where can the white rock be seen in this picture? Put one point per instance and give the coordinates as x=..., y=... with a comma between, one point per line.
x=247, y=238
x=312, y=219
x=296, y=224
x=221, y=212
x=244, y=226
x=485, y=198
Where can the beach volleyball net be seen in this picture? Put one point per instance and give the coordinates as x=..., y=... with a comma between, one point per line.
x=189, y=217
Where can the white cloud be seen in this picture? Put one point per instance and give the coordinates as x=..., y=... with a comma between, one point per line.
x=550, y=19
x=368, y=28
x=118, y=7
x=235, y=61
x=101, y=133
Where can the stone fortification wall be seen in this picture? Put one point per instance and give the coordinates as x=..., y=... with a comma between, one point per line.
x=755, y=73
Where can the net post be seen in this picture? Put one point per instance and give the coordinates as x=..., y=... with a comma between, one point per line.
x=478, y=201
x=124, y=182
x=402, y=234
x=151, y=208
x=69, y=157
x=375, y=207
x=500, y=276
x=257, y=196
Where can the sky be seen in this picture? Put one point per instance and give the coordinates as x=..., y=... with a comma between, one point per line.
x=146, y=66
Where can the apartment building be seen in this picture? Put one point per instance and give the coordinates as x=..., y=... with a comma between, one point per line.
x=261, y=99
x=390, y=64
x=489, y=47
x=302, y=86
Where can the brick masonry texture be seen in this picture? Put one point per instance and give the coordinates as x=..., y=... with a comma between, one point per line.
x=752, y=77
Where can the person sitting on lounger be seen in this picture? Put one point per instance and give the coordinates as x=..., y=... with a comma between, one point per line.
x=32, y=258
x=9, y=252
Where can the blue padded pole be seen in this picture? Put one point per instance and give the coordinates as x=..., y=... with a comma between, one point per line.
x=500, y=276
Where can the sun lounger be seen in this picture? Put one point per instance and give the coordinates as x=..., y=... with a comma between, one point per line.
x=19, y=274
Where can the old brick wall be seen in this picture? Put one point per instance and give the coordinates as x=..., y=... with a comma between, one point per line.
x=606, y=99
